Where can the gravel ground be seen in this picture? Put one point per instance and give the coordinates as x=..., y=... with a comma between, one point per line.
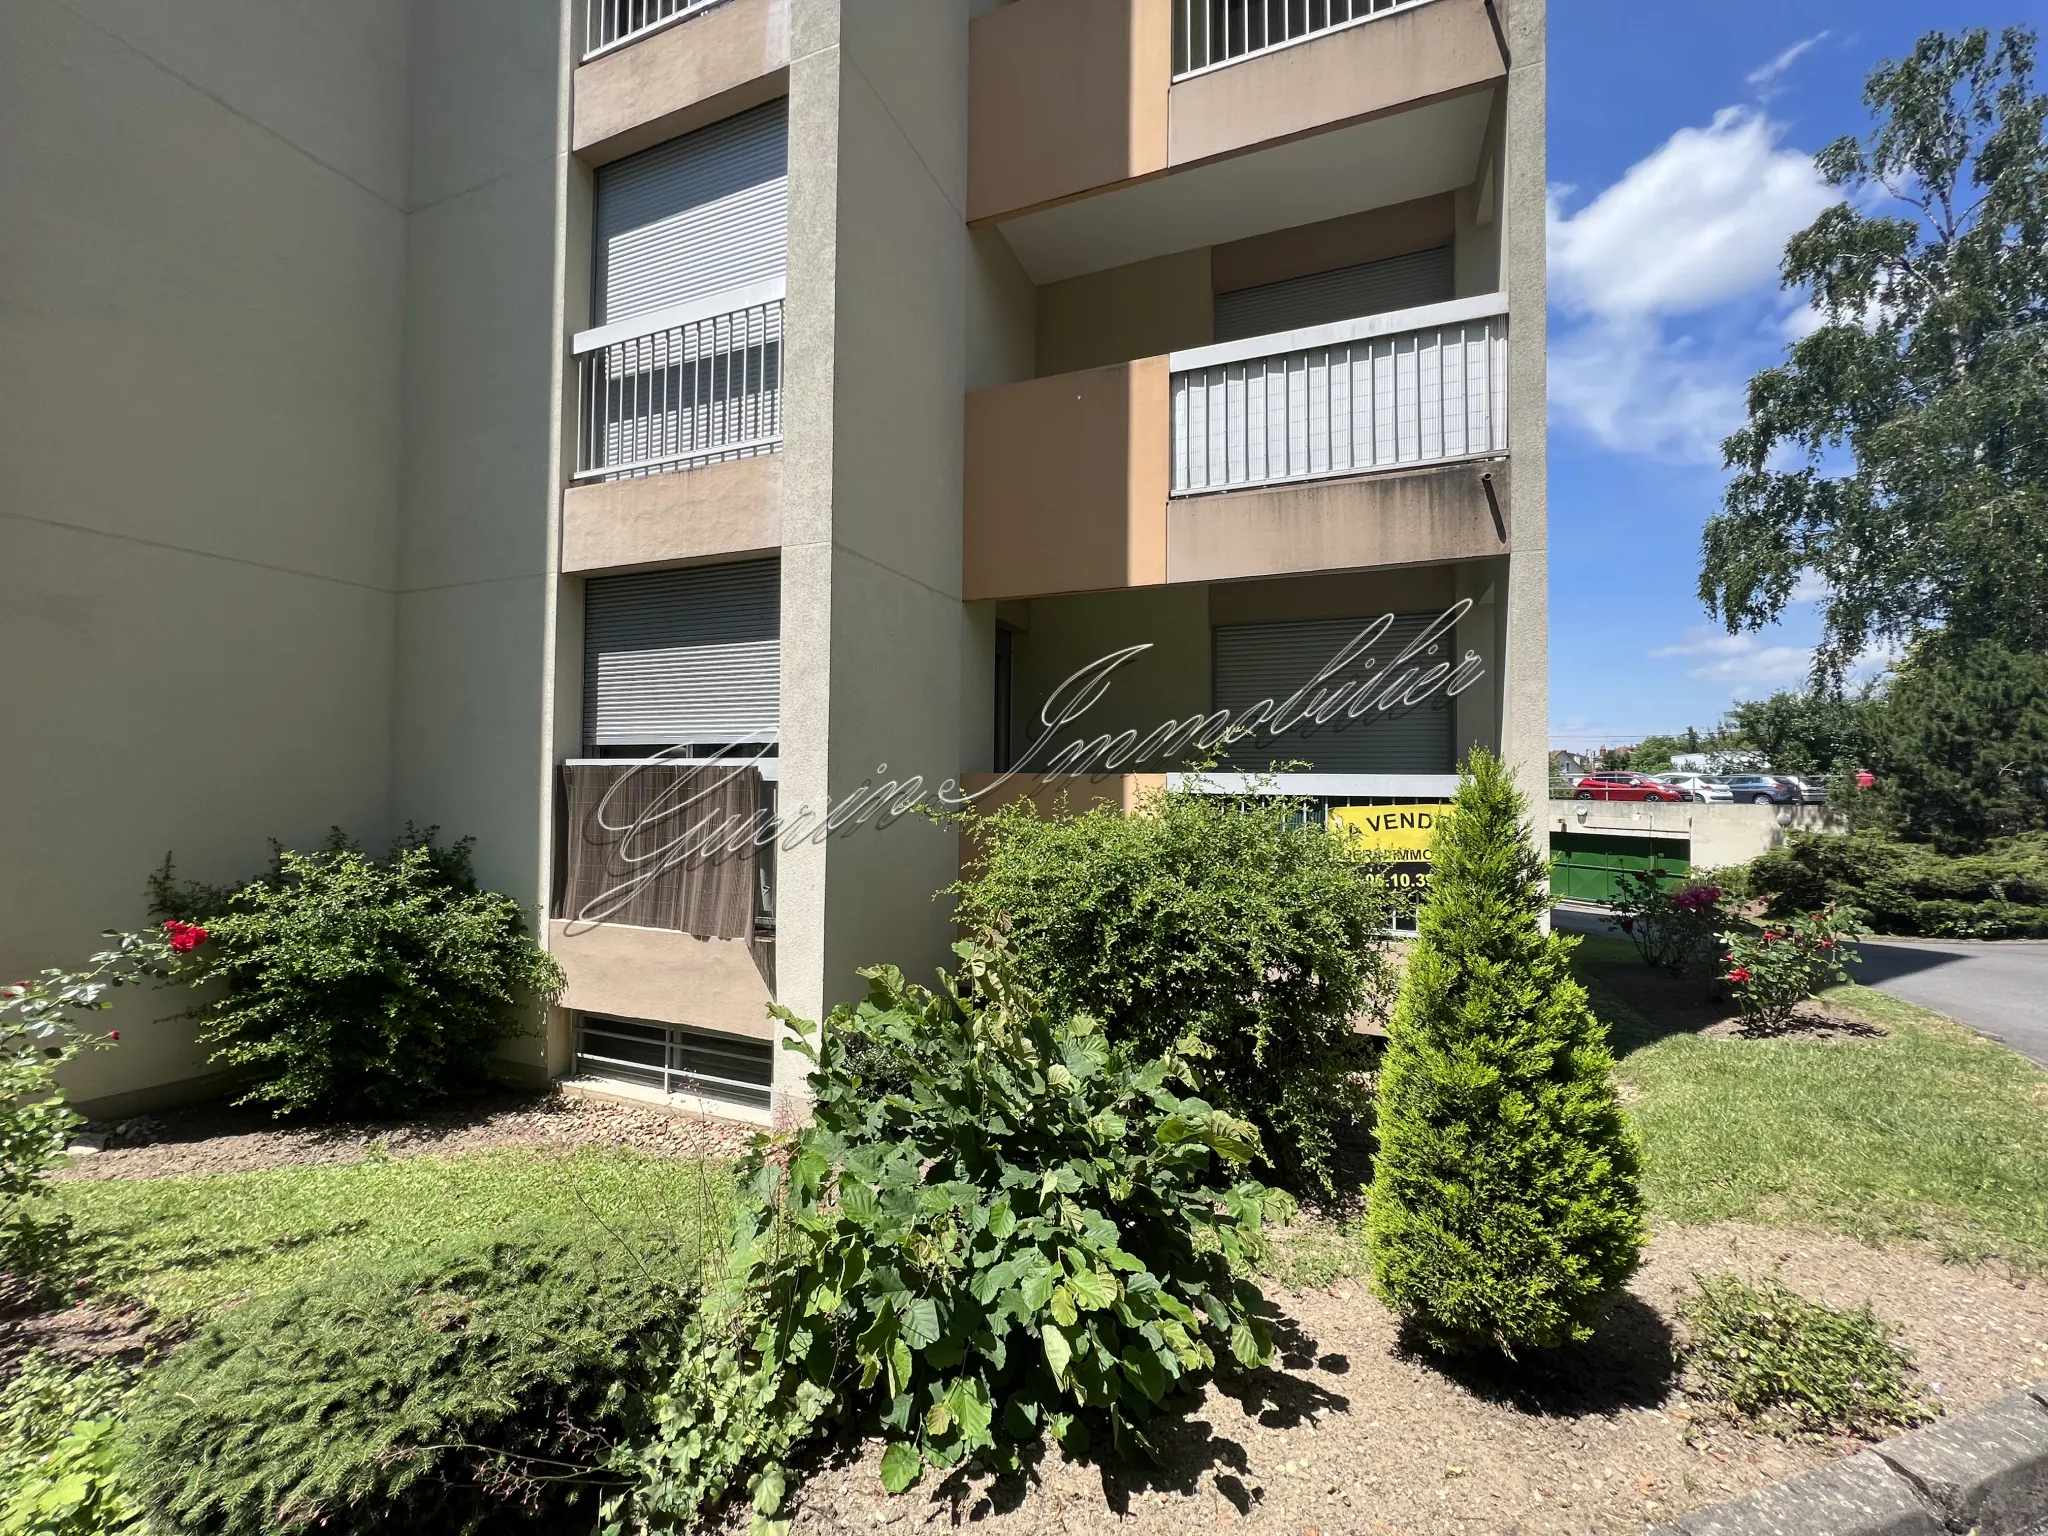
x=1354, y=1435
x=220, y=1140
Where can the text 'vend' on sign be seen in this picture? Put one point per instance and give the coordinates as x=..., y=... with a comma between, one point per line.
x=1398, y=836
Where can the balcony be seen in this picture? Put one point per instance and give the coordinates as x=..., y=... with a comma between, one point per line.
x=1069, y=98
x=609, y=24
x=695, y=384
x=1387, y=392
x=653, y=69
x=1208, y=34
x=658, y=917
x=1373, y=442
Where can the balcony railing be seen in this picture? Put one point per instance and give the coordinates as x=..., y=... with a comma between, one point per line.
x=1416, y=387
x=1208, y=34
x=696, y=384
x=608, y=24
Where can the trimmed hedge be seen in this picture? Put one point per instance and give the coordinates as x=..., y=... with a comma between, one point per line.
x=1910, y=888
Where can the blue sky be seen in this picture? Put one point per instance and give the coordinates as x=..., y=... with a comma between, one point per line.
x=1680, y=145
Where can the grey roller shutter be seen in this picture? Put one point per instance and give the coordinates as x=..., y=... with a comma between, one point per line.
x=1371, y=288
x=1272, y=661
x=693, y=217
x=683, y=656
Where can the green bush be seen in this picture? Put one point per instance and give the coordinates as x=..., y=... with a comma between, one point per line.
x=40, y=1032
x=453, y=1392
x=1231, y=922
x=1504, y=1204
x=362, y=986
x=1911, y=888
x=1790, y=1364
x=1031, y=1230
x=59, y=1471
x=1674, y=926
x=1773, y=970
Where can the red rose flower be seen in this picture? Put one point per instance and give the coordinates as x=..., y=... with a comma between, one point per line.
x=188, y=937
x=1738, y=974
x=1770, y=938
x=113, y=1034
x=1628, y=925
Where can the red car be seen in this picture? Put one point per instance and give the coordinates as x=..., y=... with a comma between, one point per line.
x=1623, y=786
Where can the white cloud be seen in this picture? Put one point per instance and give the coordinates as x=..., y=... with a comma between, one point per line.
x=1745, y=664
x=1653, y=268
x=1810, y=588
x=1635, y=389
x=1700, y=220
x=1768, y=74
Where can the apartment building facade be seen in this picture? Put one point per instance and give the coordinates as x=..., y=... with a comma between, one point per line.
x=564, y=420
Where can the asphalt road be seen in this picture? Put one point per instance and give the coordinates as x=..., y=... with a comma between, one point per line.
x=1998, y=989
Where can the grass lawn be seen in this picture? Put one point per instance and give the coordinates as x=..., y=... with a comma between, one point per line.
x=185, y=1245
x=1930, y=1132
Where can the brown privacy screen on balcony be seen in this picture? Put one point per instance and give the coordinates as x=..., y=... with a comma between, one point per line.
x=639, y=864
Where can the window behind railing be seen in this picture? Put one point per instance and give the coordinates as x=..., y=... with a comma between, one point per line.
x=1209, y=33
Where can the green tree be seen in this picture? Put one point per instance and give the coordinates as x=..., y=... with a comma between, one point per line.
x=1809, y=731
x=1965, y=744
x=1504, y=1202
x=1931, y=370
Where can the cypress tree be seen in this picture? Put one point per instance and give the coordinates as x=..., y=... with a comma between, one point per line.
x=1504, y=1202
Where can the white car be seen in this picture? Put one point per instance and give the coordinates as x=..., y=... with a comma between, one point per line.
x=1696, y=786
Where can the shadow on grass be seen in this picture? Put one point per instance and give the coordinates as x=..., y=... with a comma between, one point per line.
x=1630, y=1362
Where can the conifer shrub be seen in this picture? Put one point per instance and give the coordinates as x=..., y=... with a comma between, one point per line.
x=470, y=1389
x=1504, y=1205
x=1233, y=928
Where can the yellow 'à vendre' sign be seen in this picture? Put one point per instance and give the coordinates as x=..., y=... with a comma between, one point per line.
x=1399, y=836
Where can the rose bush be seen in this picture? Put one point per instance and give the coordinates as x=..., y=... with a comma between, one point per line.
x=1676, y=930
x=1772, y=972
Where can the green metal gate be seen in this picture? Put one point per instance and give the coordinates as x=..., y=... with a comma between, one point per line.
x=1590, y=866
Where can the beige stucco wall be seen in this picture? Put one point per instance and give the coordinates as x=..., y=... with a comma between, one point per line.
x=871, y=481
x=1373, y=235
x=1066, y=481
x=1168, y=682
x=1067, y=95
x=1400, y=59
x=1419, y=517
x=202, y=268
x=486, y=252
x=1525, y=706
x=716, y=511
x=665, y=977
x=724, y=60
x=1126, y=312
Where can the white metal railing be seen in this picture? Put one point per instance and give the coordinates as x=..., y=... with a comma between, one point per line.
x=1207, y=34
x=695, y=384
x=1418, y=386
x=609, y=23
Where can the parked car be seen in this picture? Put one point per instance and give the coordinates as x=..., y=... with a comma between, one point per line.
x=1811, y=791
x=1760, y=789
x=1697, y=786
x=1623, y=786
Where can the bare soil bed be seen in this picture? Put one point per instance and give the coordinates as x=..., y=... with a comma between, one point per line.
x=1352, y=1433
x=217, y=1139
